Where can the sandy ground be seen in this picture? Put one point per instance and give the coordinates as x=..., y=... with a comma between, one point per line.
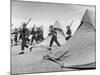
x=32, y=62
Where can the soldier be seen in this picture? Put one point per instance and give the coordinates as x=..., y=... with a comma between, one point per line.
x=39, y=34
x=53, y=33
x=23, y=37
x=68, y=33
x=33, y=32
x=15, y=36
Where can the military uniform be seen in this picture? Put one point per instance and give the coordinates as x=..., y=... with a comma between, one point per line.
x=54, y=37
x=24, y=36
x=15, y=36
x=68, y=33
x=33, y=32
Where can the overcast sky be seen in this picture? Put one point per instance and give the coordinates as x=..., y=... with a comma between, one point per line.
x=47, y=14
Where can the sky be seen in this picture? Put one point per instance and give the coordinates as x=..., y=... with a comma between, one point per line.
x=47, y=14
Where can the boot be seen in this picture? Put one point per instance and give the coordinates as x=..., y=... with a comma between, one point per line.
x=21, y=53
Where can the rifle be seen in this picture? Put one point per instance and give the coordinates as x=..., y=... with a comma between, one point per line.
x=28, y=21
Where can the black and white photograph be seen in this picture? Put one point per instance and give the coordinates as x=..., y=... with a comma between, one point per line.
x=52, y=37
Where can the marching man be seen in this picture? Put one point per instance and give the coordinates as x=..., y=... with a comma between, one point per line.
x=24, y=32
x=68, y=33
x=53, y=33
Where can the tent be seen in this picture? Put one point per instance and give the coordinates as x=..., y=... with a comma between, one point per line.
x=60, y=36
x=80, y=49
x=57, y=27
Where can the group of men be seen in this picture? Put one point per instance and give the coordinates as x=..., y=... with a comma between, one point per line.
x=37, y=36
x=24, y=34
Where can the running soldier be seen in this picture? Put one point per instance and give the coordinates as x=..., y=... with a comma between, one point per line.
x=33, y=32
x=53, y=33
x=23, y=37
x=68, y=33
x=39, y=34
x=15, y=36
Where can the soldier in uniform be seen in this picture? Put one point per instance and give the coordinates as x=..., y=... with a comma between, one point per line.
x=39, y=34
x=53, y=33
x=68, y=33
x=33, y=32
x=15, y=36
x=23, y=37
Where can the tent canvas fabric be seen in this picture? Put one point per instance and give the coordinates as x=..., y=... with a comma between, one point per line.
x=92, y=16
x=57, y=26
x=60, y=36
x=89, y=18
x=81, y=45
x=83, y=66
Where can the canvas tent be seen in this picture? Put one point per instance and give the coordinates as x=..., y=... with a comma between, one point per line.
x=57, y=27
x=60, y=36
x=80, y=49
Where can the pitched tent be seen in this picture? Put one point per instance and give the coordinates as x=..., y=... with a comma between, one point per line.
x=89, y=17
x=60, y=36
x=80, y=49
x=57, y=27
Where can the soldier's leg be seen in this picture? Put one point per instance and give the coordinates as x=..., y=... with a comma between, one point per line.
x=22, y=45
x=56, y=41
x=32, y=39
x=15, y=39
x=36, y=39
x=51, y=42
x=28, y=40
x=39, y=38
x=20, y=36
x=25, y=44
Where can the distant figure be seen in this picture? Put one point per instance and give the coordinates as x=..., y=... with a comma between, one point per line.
x=53, y=33
x=69, y=33
x=23, y=37
x=33, y=32
x=38, y=38
x=41, y=34
x=27, y=36
x=15, y=36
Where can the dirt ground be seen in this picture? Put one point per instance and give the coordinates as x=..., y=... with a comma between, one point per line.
x=32, y=62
